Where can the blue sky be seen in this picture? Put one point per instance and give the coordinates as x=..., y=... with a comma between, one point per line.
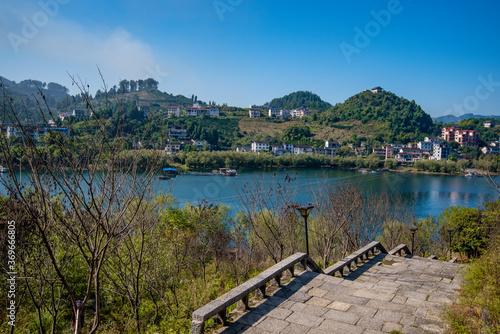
x=444, y=55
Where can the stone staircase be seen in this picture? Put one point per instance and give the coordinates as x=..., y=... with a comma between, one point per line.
x=384, y=294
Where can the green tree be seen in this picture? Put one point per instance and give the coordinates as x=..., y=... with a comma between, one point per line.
x=469, y=234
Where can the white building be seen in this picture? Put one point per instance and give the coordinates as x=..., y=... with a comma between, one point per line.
x=213, y=111
x=192, y=111
x=298, y=149
x=254, y=113
x=440, y=151
x=489, y=124
x=288, y=147
x=258, y=146
x=174, y=111
x=279, y=150
x=493, y=148
x=332, y=144
x=328, y=151
x=177, y=134
x=274, y=112
x=284, y=113
x=425, y=145
x=300, y=112
x=173, y=148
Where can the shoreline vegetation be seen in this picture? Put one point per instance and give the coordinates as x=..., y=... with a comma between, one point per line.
x=213, y=160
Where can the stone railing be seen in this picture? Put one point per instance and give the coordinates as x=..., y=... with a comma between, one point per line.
x=399, y=250
x=359, y=255
x=241, y=292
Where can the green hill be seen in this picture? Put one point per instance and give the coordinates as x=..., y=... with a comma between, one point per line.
x=30, y=95
x=396, y=117
x=300, y=99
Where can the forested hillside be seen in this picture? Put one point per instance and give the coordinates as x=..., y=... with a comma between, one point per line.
x=300, y=99
x=397, y=117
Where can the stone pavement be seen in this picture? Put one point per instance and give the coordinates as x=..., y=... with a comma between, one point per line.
x=383, y=295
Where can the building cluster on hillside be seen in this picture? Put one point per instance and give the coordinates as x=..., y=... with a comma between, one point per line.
x=255, y=112
x=35, y=131
x=74, y=113
x=463, y=137
x=438, y=148
x=194, y=111
x=179, y=138
x=330, y=148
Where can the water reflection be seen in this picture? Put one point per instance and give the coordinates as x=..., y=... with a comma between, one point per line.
x=430, y=193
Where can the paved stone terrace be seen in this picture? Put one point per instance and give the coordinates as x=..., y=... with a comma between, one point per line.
x=385, y=294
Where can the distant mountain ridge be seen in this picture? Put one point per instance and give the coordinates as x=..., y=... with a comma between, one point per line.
x=455, y=119
x=30, y=89
x=300, y=99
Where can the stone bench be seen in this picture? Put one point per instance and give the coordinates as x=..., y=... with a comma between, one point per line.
x=352, y=259
x=242, y=292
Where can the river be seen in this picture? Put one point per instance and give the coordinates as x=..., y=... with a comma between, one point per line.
x=431, y=193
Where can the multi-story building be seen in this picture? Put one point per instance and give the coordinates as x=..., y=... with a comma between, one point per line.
x=379, y=151
x=284, y=113
x=288, y=147
x=274, y=112
x=278, y=150
x=440, y=151
x=328, y=151
x=466, y=137
x=448, y=133
x=492, y=148
x=300, y=112
x=192, y=112
x=426, y=145
x=258, y=146
x=35, y=132
x=177, y=134
x=409, y=154
x=254, y=113
x=173, y=111
x=489, y=124
x=213, y=111
x=173, y=148
x=332, y=144
x=298, y=149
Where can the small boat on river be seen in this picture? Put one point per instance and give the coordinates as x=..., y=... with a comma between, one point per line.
x=168, y=173
x=473, y=174
x=3, y=169
x=226, y=172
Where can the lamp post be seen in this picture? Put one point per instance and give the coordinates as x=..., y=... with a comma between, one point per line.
x=413, y=230
x=304, y=211
x=449, y=232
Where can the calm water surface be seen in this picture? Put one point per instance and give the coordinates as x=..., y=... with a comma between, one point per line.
x=431, y=193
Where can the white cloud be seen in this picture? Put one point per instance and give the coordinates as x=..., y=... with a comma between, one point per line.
x=117, y=52
x=78, y=49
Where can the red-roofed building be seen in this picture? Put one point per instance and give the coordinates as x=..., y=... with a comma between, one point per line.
x=448, y=133
x=466, y=137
